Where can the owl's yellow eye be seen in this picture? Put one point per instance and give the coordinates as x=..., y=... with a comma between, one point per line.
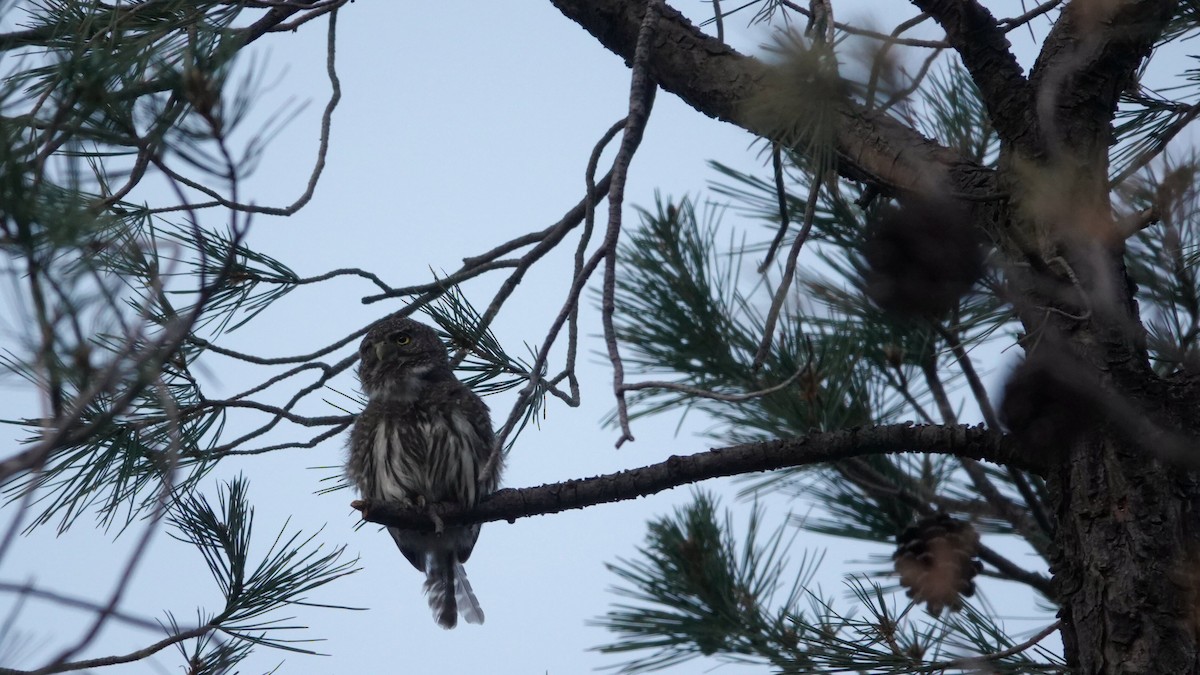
x=403, y=340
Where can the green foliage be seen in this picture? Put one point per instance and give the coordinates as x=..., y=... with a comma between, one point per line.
x=955, y=115
x=292, y=567
x=706, y=331
x=113, y=293
x=695, y=589
x=112, y=88
x=706, y=595
x=211, y=653
x=690, y=311
x=1162, y=260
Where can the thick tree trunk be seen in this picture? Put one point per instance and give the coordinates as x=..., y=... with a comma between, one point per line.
x=1123, y=570
x=1126, y=521
x=1126, y=564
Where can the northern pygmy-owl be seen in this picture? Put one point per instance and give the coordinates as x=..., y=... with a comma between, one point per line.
x=423, y=438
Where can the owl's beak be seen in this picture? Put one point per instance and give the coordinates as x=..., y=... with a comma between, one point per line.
x=381, y=349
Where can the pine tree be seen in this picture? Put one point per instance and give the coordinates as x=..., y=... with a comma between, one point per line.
x=965, y=209
x=916, y=221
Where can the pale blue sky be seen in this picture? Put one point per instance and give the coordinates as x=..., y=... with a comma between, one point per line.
x=462, y=125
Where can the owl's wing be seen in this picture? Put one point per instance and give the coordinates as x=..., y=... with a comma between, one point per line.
x=481, y=423
x=414, y=545
x=476, y=411
x=360, y=451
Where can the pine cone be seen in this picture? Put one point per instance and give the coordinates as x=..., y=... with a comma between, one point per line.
x=921, y=257
x=1044, y=407
x=936, y=562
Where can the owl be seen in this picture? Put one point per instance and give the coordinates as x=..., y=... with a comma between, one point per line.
x=423, y=438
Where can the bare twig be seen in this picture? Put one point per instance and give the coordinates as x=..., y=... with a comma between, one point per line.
x=28, y=589
x=1036, y=507
x=781, y=200
x=328, y=374
x=322, y=148
x=641, y=99
x=972, y=377
x=874, y=35
x=728, y=398
x=714, y=395
x=569, y=307
x=789, y=271
x=310, y=443
x=1004, y=507
x=1015, y=22
x=329, y=420
x=973, y=662
x=316, y=11
x=589, y=222
x=114, y=660
x=904, y=92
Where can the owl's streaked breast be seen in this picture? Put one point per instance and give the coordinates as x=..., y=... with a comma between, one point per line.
x=415, y=457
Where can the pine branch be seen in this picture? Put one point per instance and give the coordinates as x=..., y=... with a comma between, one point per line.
x=976, y=36
x=870, y=145
x=975, y=442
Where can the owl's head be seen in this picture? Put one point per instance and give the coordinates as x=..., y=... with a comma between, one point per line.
x=399, y=357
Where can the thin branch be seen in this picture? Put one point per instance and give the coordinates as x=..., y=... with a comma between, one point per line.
x=273, y=18
x=114, y=660
x=1015, y=22
x=314, y=13
x=589, y=223
x=322, y=145
x=781, y=202
x=728, y=398
x=789, y=271
x=974, y=662
x=474, y=266
x=641, y=100
x=900, y=384
x=851, y=29
x=310, y=443
x=713, y=395
x=1040, y=516
x=440, y=285
x=344, y=272
x=1004, y=507
x=302, y=420
x=569, y=307
x=320, y=382
x=922, y=72
x=968, y=369
x=934, y=382
x=1014, y=572
x=719, y=19
x=283, y=360
x=28, y=589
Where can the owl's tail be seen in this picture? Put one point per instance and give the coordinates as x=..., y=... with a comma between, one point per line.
x=448, y=591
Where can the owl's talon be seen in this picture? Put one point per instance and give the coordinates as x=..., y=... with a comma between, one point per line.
x=438, y=526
